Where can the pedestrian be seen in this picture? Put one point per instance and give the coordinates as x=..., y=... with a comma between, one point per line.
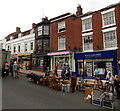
x=7, y=68
x=67, y=72
x=11, y=68
x=98, y=84
x=110, y=79
x=47, y=72
x=63, y=71
x=55, y=70
x=15, y=69
x=117, y=85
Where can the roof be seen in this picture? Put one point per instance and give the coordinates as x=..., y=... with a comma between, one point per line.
x=12, y=34
x=105, y=8
x=63, y=16
x=27, y=32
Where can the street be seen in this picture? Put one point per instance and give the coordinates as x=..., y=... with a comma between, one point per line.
x=23, y=94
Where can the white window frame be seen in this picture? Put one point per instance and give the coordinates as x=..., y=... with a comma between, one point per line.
x=46, y=30
x=18, y=48
x=86, y=18
x=40, y=29
x=32, y=46
x=61, y=25
x=64, y=47
x=14, y=51
x=109, y=30
x=105, y=12
x=84, y=35
x=25, y=47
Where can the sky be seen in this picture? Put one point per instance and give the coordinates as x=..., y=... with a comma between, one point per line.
x=22, y=13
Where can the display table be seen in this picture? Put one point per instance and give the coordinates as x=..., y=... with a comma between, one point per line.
x=82, y=84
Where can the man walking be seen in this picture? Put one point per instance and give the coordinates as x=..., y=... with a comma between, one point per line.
x=15, y=69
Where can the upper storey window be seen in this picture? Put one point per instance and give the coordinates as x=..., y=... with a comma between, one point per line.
x=39, y=30
x=46, y=30
x=87, y=23
x=43, y=30
x=61, y=27
x=108, y=18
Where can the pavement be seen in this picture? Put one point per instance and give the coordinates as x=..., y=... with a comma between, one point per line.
x=24, y=71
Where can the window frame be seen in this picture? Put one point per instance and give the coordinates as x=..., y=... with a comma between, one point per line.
x=59, y=47
x=40, y=30
x=63, y=27
x=107, y=12
x=110, y=30
x=46, y=31
x=83, y=44
x=86, y=18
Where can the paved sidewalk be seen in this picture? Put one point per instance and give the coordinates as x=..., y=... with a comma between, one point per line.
x=23, y=71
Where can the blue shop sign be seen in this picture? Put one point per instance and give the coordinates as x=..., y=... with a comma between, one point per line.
x=95, y=55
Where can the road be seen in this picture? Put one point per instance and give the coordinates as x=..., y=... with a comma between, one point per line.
x=23, y=94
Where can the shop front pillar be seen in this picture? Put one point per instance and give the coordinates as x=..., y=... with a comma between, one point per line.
x=115, y=64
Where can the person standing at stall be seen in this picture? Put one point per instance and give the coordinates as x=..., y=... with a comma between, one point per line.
x=55, y=70
x=63, y=71
x=117, y=85
x=110, y=79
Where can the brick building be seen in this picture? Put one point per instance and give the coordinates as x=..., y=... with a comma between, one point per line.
x=86, y=41
x=40, y=60
x=100, y=42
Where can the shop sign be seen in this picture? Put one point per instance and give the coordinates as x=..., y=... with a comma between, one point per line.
x=59, y=53
x=93, y=55
x=14, y=55
x=24, y=54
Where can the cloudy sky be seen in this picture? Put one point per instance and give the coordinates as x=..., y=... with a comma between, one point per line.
x=22, y=13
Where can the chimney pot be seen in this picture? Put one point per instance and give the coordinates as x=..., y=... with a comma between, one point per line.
x=33, y=25
x=18, y=30
x=79, y=10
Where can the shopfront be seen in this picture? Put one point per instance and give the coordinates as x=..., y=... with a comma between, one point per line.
x=61, y=58
x=87, y=63
x=40, y=61
x=24, y=59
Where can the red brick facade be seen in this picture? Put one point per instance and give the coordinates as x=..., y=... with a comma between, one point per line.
x=74, y=33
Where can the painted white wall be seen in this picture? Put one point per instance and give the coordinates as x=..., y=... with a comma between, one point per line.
x=21, y=40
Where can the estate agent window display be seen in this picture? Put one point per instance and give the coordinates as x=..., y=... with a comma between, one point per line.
x=91, y=68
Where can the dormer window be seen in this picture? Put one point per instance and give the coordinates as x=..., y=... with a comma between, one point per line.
x=19, y=35
x=61, y=27
x=11, y=37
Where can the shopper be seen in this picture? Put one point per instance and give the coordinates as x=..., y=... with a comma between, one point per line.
x=117, y=85
x=63, y=71
x=15, y=69
x=7, y=68
x=67, y=72
x=11, y=68
x=98, y=84
x=110, y=79
x=55, y=70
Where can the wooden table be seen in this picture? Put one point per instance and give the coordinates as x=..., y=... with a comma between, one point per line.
x=81, y=84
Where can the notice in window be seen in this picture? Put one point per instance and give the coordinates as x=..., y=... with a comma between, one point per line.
x=89, y=69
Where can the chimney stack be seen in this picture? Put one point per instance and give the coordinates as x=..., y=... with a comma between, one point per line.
x=45, y=19
x=79, y=10
x=33, y=25
x=18, y=30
